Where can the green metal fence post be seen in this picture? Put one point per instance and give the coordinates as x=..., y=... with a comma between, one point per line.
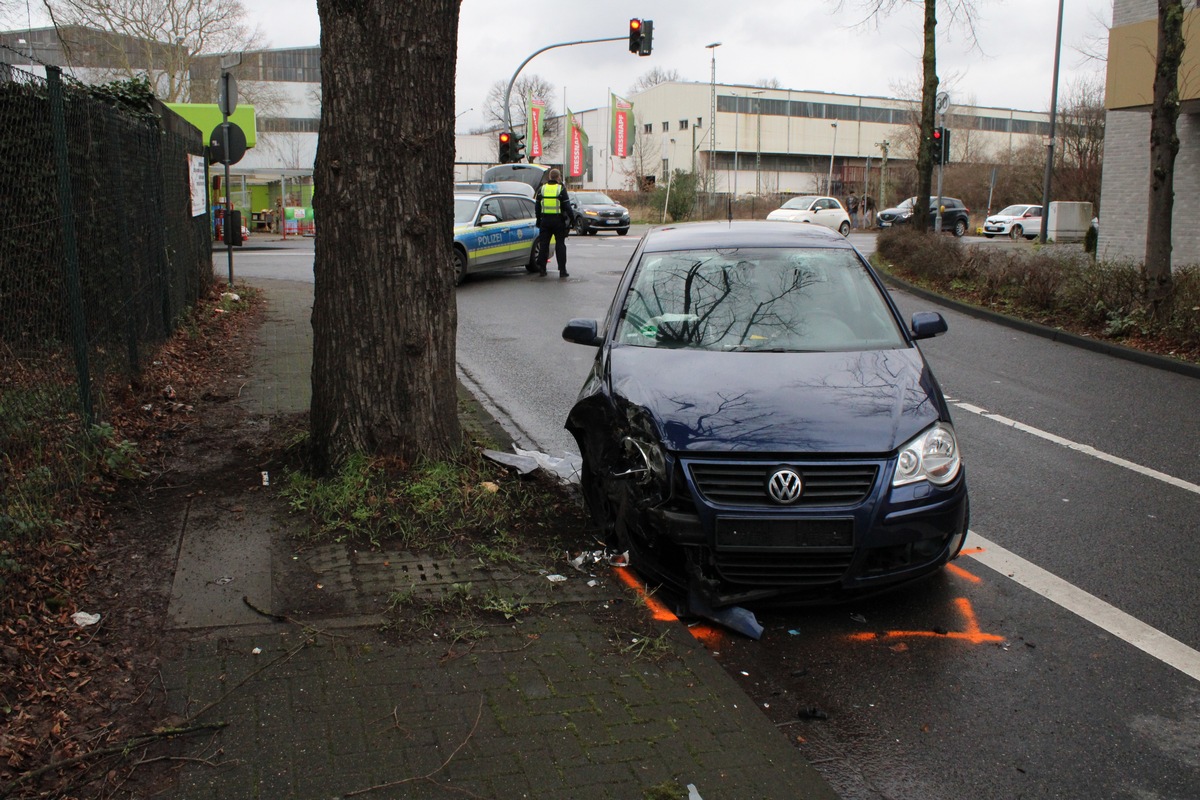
x=58, y=128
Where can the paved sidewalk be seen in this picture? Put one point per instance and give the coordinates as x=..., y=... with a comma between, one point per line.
x=547, y=708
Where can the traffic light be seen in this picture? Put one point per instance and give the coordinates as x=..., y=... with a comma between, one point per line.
x=505, y=155
x=941, y=145
x=516, y=146
x=641, y=35
x=647, y=37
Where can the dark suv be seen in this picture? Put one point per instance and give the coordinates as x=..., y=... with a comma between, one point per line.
x=955, y=215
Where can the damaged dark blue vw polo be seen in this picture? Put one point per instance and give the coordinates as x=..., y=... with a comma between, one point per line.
x=759, y=423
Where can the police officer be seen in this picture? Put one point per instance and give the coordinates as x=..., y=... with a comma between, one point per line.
x=554, y=218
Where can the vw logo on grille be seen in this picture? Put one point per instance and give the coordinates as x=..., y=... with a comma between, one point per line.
x=785, y=486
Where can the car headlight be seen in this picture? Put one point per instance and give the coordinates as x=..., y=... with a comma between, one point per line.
x=592, y=213
x=903, y=215
x=646, y=460
x=932, y=456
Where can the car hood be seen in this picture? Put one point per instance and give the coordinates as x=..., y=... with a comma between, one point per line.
x=868, y=402
x=790, y=213
x=1001, y=218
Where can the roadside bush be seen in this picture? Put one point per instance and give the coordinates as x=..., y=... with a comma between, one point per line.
x=1058, y=285
x=927, y=256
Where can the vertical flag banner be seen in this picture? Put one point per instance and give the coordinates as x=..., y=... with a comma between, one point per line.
x=577, y=142
x=622, y=127
x=533, y=130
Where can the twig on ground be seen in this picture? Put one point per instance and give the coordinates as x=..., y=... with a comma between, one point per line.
x=428, y=776
x=161, y=733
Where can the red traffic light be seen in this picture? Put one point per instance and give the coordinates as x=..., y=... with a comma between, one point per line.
x=937, y=133
x=505, y=137
x=635, y=35
x=635, y=24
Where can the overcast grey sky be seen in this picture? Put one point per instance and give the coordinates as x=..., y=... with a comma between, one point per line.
x=804, y=44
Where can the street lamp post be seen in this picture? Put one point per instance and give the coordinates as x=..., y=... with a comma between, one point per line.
x=829, y=180
x=758, y=143
x=712, y=119
x=736, y=127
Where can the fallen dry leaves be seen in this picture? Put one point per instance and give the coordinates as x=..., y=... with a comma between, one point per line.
x=67, y=690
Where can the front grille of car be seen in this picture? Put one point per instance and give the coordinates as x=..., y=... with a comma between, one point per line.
x=775, y=569
x=745, y=485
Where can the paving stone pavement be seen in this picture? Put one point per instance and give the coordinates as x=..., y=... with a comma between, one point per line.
x=544, y=708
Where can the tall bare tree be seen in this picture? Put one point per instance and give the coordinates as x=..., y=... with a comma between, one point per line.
x=158, y=38
x=652, y=78
x=958, y=11
x=384, y=316
x=1164, y=147
x=1081, y=134
x=518, y=100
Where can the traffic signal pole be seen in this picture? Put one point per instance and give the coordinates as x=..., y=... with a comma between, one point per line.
x=513, y=79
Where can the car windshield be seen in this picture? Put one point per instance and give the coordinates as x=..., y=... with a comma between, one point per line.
x=800, y=203
x=464, y=210
x=592, y=198
x=760, y=299
x=1012, y=211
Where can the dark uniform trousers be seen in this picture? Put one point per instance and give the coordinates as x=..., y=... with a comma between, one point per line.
x=552, y=225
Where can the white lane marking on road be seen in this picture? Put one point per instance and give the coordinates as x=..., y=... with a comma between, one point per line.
x=1150, y=640
x=1082, y=448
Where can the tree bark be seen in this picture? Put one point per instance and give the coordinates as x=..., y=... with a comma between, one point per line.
x=384, y=314
x=929, y=90
x=1164, y=146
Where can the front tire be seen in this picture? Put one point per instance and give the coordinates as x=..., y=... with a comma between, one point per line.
x=458, y=262
x=844, y=229
x=960, y=228
x=623, y=232
x=1016, y=233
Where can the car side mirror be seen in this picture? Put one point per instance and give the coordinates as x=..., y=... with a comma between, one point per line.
x=582, y=331
x=927, y=324
x=488, y=219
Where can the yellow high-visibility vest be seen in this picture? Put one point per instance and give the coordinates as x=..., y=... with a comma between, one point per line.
x=550, y=202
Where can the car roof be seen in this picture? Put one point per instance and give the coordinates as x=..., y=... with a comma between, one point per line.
x=459, y=195
x=741, y=233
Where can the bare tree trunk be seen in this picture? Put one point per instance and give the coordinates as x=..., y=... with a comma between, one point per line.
x=928, y=97
x=1164, y=146
x=384, y=315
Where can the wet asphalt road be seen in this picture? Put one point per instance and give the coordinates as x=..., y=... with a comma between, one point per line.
x=1012, y=680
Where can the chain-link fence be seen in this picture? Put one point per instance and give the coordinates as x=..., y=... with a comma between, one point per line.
x=100, y=257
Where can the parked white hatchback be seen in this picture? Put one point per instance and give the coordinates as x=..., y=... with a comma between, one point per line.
x=1015, y=222
x=825, y=211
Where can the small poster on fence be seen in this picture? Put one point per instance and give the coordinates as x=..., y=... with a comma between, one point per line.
x=197, y=174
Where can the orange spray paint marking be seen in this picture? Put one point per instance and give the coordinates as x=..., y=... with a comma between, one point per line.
x=970, y=551
x=657, y=610
x=706, y=634
x=972, y=634
x=962, y=573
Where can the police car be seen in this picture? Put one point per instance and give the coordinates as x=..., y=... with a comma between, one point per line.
x=493, y=230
